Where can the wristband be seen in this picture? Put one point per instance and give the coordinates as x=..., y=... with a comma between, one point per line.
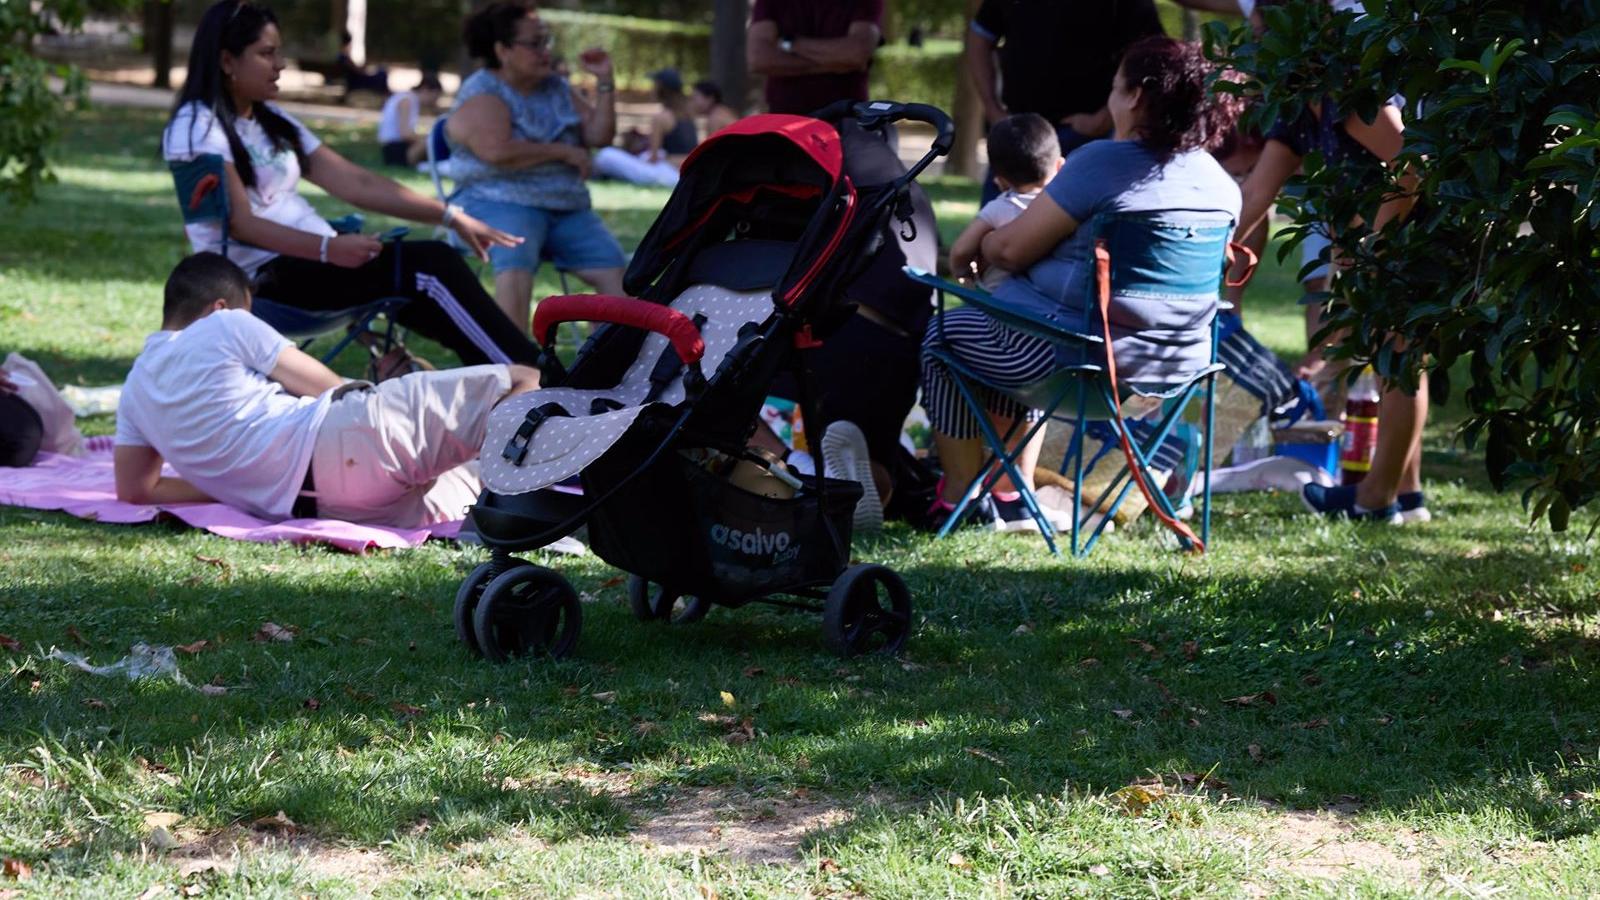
x=450, y=211
x=322, y=251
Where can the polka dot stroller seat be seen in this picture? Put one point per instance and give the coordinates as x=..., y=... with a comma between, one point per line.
x=644, y=439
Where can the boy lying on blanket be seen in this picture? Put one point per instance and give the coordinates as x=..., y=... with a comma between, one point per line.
x=247, y=419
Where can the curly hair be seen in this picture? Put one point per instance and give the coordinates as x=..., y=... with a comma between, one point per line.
x=1180, y=114
x=494, y=24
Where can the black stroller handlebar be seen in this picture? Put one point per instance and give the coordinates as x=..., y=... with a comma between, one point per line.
x=875, y=114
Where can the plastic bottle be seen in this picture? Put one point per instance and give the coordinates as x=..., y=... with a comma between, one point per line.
x=1360, y=428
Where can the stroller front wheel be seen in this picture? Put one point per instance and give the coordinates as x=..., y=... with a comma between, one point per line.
x=654, y=603
x=467, y=597
x=527, y=610
x=868, y=610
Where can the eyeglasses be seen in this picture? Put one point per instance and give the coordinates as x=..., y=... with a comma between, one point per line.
x=543, y=40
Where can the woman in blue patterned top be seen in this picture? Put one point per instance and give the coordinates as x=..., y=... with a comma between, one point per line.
x=519, y=140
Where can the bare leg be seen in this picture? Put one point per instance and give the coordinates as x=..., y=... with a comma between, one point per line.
x=513, y=293
x=1399, y=451
x=962, y=457
x=604, y=281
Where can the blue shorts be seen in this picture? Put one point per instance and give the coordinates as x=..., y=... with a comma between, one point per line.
x=574, y=240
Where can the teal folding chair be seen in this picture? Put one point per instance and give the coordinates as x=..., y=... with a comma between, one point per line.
x=1141, y=259
x=203, y=197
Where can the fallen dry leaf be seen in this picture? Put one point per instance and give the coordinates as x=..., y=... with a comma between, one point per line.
x=612, y=582
x=716, y=719
x=956, y=860
x=1136, y=798
x=1088, y=662
x=219, y=562
x=1311, y=723
x=1191, y=779
x=787, y=680
x=1384, y=719
x=95, y=703
x=1191, y=649
x=727, y=699
x=193, y=648
x=312, y=704
x=743, y=733
x=358, y=696
x=213, y=690
x=7, y=642
x=272, y=631
x=280, y=823
x=1022, y=629
x=16, y=869
x=76, y=636
x=1311, y=679
x=1099, y=870
x=1122, y=713
x=826, y=864
x=605, y=696
x=153, y=891
x=1266, y=698
x=161, y=819
x=406, y=710
x=985, y=755
x=271, y=567
x=645, y=729
x=754, y=671
x=1255, y=752
x=1146, y=646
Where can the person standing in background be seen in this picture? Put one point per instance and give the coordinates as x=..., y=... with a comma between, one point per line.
x=813, y=52
x=1056, y=58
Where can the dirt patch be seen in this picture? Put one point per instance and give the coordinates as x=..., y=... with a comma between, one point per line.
x=1326, y=845
x=223, y=851
x=743, y=826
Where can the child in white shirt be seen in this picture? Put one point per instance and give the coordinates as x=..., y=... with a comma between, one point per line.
x=1024, y=154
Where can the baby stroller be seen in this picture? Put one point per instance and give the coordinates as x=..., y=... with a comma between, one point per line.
x=645, y=437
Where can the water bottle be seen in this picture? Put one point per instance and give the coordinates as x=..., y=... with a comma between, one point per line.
x=1360, y=428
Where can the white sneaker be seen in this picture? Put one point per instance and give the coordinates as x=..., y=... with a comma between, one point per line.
x=844, y=448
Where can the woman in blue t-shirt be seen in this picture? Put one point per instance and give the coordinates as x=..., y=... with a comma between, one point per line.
x=1157, y=160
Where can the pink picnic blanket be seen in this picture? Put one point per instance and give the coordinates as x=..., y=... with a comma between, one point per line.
x=85, y=487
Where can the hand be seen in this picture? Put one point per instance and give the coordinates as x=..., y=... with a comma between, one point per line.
x=578, y=158
x=596, y=62
x=479, y=237
x=352, y=251
x=963, y=266
x=1092, y=124
x=7, y=386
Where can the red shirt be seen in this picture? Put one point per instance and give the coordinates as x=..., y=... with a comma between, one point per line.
x=803, y=94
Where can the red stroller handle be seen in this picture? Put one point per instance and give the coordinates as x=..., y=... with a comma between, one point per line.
x=663, y=320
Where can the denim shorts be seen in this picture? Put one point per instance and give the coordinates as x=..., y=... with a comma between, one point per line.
x=575, y=240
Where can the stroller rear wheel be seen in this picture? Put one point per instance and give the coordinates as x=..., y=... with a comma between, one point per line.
x=868, y=610
x=652, y=603
x=467, y=597
x=527, y=610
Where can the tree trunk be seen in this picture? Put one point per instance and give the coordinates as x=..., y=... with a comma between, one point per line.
x=727, y=52
x=968, y=115
x=158, y=40
x=1191, y=25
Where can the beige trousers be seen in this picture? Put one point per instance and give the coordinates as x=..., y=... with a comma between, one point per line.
x=404, y=453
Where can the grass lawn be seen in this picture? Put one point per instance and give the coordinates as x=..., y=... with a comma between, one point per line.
x=1309, y=709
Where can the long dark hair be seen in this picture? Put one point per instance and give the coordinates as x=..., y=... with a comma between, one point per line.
x=232, y=25
x=494, y=24
x=1179, y=113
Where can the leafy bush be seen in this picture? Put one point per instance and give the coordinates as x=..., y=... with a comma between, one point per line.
x=924, y=74
x=30, y=112
x=1500, y=263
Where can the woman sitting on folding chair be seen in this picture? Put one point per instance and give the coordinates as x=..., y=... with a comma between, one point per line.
x=292, y=255
x=1156, y=161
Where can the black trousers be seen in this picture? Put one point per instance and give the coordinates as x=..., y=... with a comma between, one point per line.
x=448, y=304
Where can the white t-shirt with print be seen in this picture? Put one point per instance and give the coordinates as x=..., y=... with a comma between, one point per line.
x=194, y=131
x=1001, y=211
x=202, y=399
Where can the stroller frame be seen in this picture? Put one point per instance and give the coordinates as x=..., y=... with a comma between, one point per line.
x=631, y=493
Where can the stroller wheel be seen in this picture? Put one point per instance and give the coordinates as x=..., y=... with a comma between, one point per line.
x=527, y=610
x=653, y=603
x=868, y=610
x=467, y=597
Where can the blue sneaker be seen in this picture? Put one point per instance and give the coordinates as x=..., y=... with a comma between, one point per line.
x=1340, y=503
x=1413, y=508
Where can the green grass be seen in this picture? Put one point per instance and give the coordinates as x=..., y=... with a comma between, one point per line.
x=1436, y=683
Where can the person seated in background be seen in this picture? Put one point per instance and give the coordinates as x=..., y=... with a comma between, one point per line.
x=246, y=418
x=1024, y=154
x=358, y=77
x=398, y=137
x=672, y=135
x=706, y=102
x=1164, y=124
x=518, y=142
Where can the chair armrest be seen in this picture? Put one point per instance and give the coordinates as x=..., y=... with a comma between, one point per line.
x=1010, y=316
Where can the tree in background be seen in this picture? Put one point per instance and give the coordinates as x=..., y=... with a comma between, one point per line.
x=30, y=110
x=1496, y=275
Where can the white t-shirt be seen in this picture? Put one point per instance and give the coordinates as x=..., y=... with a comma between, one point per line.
x=1003, y=210
x=1249, y=6
x=201, y=398
x=194, y=131
x=398, y=121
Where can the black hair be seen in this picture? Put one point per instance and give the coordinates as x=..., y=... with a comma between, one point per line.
x=429, y=82
x=710, y=89
x=494, y=24
x=1023, y=148
x=21, y=432
x=199, y=281
x=231, y=26
x=1179, y=113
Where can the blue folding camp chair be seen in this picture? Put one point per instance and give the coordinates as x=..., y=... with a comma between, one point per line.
x=1162, y=257
x=203, y=197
